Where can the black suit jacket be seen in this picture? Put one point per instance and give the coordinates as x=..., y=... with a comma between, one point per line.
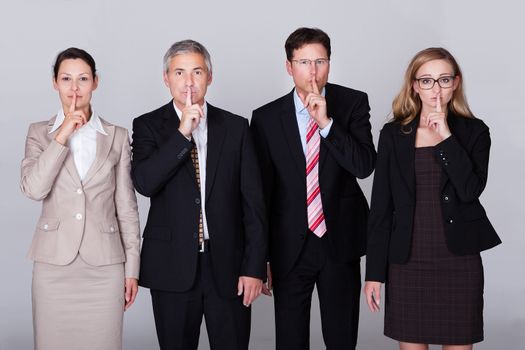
x=162, y=170
x=464, y=158
x=346, y=153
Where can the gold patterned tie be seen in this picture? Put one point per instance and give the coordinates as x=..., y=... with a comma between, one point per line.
x=195, y=161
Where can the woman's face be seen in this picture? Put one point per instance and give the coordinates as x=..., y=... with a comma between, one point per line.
x=440, y=74
x=75, y=78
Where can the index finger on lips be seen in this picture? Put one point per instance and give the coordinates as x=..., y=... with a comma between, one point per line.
x=73, y=104
x=438, y=103
x=315, y=88
x=188, y=97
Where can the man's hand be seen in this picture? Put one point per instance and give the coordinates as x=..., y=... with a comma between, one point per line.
x=250, y=287
x=191, y=116
x=316, y=105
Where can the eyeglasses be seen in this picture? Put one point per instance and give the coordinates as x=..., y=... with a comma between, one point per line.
x=445, y=82
x=306, y=63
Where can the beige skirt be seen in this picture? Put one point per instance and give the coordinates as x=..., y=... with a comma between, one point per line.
x=78, y=306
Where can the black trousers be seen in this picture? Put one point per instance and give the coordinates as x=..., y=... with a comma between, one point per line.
x=178, y=316
x=338, y=286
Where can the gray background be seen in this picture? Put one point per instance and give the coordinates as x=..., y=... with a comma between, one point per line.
x=372, y=43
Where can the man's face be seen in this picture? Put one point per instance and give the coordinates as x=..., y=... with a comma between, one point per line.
x=304, y=75
x=187, y=70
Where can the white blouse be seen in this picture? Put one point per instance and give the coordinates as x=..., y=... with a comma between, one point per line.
x=83, y=142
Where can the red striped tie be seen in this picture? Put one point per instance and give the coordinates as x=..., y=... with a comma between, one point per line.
x=316, y=222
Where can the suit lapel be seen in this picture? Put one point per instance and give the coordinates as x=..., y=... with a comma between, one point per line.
x=69, y=163
x=216, y=134
x=71, y=168
x=291, y=131
x=405, y=153
x=104, y=143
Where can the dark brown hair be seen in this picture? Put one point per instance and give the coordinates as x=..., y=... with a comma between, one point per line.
x=304, y=36
x=74, y=53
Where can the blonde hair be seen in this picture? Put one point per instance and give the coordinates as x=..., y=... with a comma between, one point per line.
x=407, y=104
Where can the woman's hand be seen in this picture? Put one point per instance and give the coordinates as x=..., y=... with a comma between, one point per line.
x=372, y=292
x=437, y=121
x=74, y=119
x=130, y=292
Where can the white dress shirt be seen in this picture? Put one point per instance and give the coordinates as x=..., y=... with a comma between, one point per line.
x=82, y=142
x=200, y=137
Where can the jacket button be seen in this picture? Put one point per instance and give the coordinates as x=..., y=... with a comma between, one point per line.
x=197, y=201
x=79, y=190
x=46, y=226
x=450, y=220
x=112, y=229
x=78, y=216
x=445, y=198
x=446, y=163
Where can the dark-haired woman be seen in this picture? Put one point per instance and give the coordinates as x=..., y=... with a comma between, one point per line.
x=427, y=226
x=86, y=244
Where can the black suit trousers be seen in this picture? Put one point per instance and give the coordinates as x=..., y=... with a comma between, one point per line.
x=178, y=315
x=338, y=286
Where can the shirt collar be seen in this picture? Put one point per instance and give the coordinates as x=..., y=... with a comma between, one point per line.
x=299, y=106
x=94, y=122
x=204, y=109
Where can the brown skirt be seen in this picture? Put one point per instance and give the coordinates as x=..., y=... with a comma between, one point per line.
x=78, y=306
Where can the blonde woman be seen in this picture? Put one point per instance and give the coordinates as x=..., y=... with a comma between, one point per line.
x=86, y=244
x=427, y=226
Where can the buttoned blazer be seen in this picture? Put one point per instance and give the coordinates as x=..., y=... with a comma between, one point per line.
x=463, y=158
x=346, y=153
x=96, y=217
x=162, y=170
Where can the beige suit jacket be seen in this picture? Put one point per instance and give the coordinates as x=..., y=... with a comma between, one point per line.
x=97, y=217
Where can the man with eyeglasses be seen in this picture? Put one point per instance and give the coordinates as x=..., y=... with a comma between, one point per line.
x=312, y=144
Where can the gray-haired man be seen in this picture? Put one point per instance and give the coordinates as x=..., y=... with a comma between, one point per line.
x=204, y=249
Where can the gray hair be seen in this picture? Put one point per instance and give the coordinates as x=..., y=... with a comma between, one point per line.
x=186, y=46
